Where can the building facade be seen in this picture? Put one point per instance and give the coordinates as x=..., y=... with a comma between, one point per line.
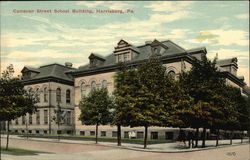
x=64, y=86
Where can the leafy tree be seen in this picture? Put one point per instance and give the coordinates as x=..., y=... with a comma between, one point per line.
x=203, y=83
x=149, y=99
x=14, y=100
x=126, y=84
x=96, y=108
x=146, y=96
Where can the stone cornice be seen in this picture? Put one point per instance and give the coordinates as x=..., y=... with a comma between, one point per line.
x=47, y=79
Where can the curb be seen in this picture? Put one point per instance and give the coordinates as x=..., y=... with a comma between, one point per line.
x=139, y=149
x=179, y=151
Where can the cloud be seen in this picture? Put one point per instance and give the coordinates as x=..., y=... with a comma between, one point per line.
x=222, y=37
x=90, y=4
x=118, y=5
x=242, y=16
x=16, y=39
x=168, y=6
x=110, y=5
x=46, y=53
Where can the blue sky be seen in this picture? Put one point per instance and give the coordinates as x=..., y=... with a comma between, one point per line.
x=36, y=39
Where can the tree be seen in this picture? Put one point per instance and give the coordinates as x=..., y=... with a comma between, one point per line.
x=125, y=86
x=203, y=83
x=14, y=100
x=96, y=108
x=149, y=99
x=59, y=119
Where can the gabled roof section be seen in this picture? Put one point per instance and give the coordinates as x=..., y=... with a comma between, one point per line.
x=197, y=50
x=54, y=71
x=97, y=56
x=27, y=68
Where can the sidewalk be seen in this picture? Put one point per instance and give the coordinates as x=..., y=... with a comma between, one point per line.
x=173, y=147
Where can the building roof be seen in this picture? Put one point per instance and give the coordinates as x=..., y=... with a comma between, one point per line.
x=53, y=71
x=144, y=52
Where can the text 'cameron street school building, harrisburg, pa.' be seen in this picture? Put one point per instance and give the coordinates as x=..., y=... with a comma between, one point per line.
x=65, y=85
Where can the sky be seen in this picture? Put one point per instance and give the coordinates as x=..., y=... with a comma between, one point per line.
x=40, y=38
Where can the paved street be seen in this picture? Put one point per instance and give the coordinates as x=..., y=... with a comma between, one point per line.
x=90, y=151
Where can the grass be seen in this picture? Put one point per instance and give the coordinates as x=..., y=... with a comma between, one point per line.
x=100, y=139
x=18, y=151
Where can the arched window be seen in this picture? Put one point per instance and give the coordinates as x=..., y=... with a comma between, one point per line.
x=93, y=85
x=83, y=89
x=104, y=84
x=38, y=95
x=58, y=95
x=45, y=94
x=68, y=96
x=171, y=74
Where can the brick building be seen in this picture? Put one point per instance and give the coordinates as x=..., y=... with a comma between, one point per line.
x=65, y=86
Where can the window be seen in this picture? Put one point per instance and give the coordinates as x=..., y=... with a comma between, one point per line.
x=126, y=135
x=93, y=85
x=16, y=121
x=93, y=62
x=45, y=116
x=58, y=95
x=171, y=74
x=68, y=96
x=38, y=95
x=30, y=131
x=119, y=58
x=103, y=133
x=125, y=57
x=45, y=132
x=82, y=133
x=30, y=118
x=45, y=94
x=68, y=117
x=154, y=135
x=139, y=135
x=114, y=134
x=23, y=120
x=38, y=117
x=92, y=133
x=37, y=131
x=83, y=89
x=104, y=84
x=169, y=135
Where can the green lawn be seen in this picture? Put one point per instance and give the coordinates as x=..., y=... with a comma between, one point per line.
x=100, y=139
x=18, y=151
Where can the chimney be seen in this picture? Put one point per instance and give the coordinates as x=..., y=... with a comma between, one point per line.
x=68, y=64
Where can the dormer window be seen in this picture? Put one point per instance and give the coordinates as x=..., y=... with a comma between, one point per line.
x=95, y=60
x=92, y=62
x=157, y=47
x=125, y=52
x=28, y=72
